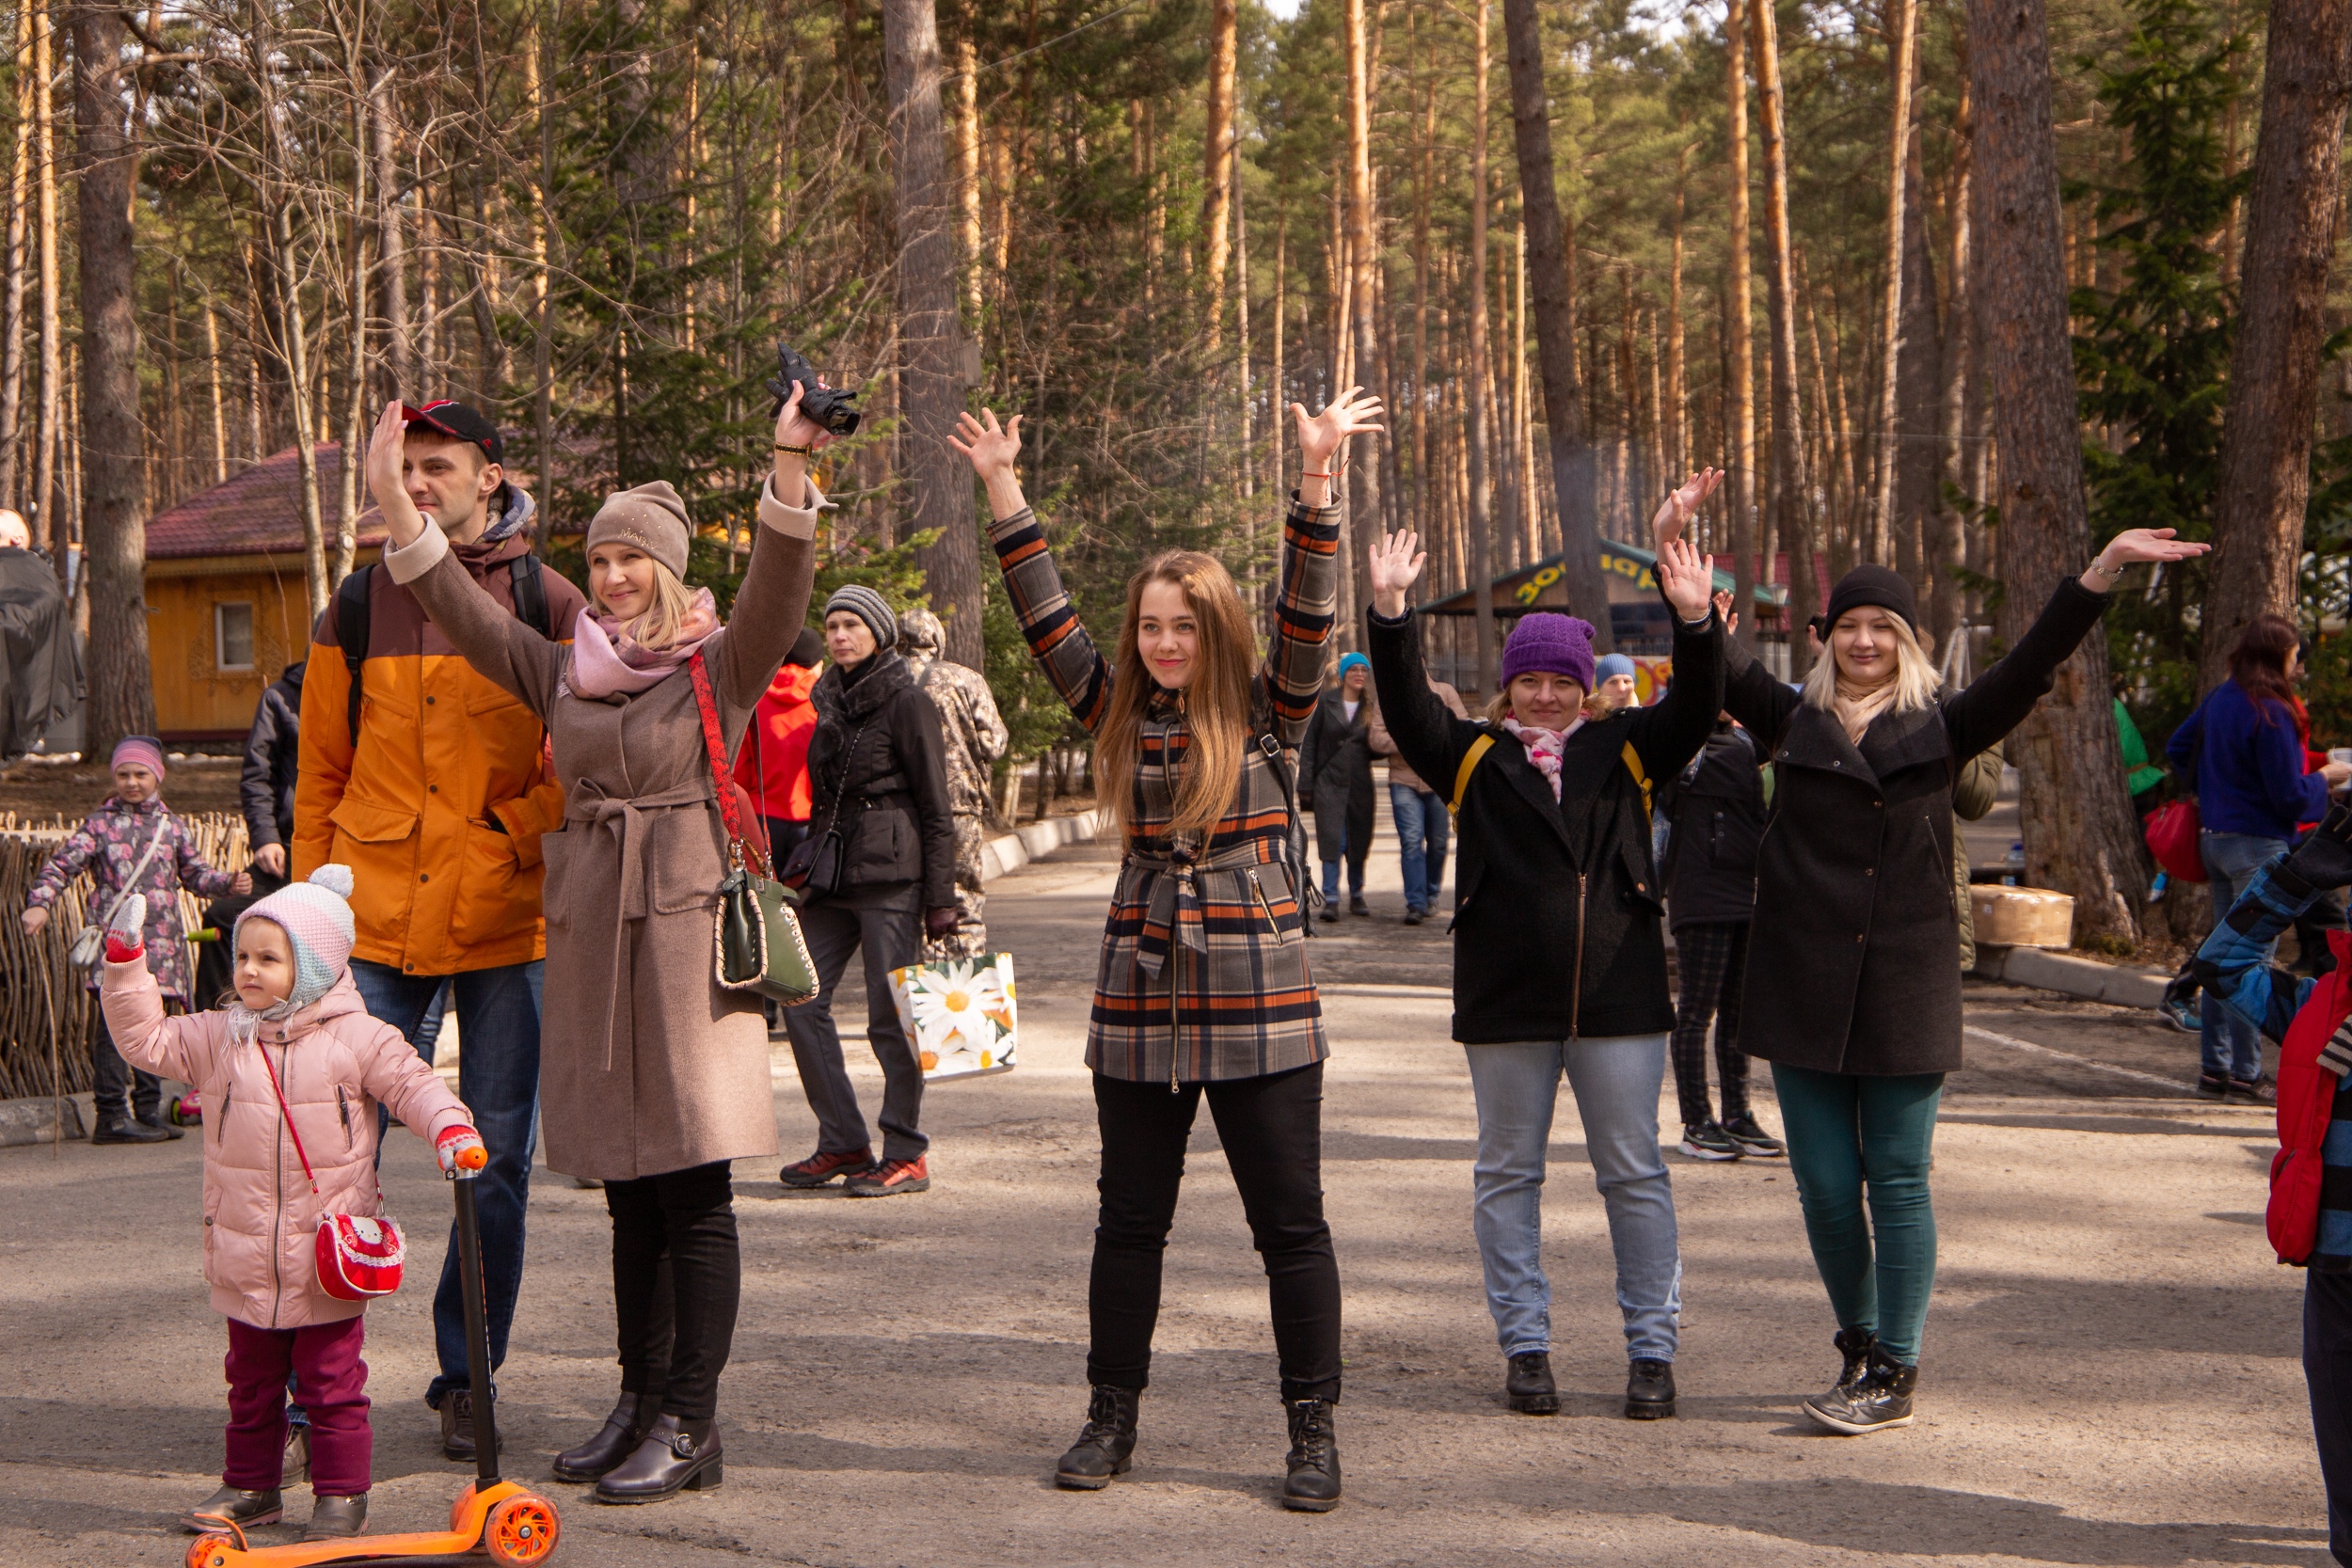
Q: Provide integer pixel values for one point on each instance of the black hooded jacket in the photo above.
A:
(877, 767)
(273, 754)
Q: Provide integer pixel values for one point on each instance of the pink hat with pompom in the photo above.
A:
(316, 918)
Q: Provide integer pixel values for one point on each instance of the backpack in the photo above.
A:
(2307, 1098)
(353, 607)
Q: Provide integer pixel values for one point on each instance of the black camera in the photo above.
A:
(830, 406)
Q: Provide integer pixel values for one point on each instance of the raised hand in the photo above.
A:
(1686, 576)
(1396, 560)
(2137, 543)
(1683, 503)
(796, 429)
(1319, 435)
(387, 479)
(1722, 607)
(989, 446)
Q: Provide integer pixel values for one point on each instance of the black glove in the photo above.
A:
(2324, 859)
(939, 925)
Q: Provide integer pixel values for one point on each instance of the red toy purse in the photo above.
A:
(359, 1256)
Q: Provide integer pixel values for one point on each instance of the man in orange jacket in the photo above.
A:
(431, 785)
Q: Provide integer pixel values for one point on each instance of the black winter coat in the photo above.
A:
(1854, 957)
(1718, 812)
(1335, 774)
(272, 752)
(879, 756)
(1557, 912)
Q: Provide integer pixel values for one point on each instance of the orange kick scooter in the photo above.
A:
(511, 1523)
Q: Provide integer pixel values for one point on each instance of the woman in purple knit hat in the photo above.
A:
(1559, 959)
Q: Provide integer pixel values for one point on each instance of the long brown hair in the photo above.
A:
(2259, 661)
(1215, 701)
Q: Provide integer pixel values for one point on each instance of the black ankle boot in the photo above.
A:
(1855, 1345)
(623, 1430)
(1879, 1398)
(676, 1456)
(1312, 1485)
(1649, 1390)
(1528, 1388)
(1105, 1445)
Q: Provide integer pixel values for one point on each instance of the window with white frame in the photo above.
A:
(233, 636)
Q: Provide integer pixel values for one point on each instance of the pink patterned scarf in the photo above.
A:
(608, 663)
(1544, 748)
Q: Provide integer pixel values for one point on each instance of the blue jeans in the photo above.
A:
(1616, 1083)
(1420, 829)
(498, 1078)
(2230, 1044)
(1355, 871)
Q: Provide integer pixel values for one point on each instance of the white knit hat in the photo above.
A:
(316, 917)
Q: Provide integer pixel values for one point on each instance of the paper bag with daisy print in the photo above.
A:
(960, 1014)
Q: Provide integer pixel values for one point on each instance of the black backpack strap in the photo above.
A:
(531, 593)
(1309, 893)
(352, 607)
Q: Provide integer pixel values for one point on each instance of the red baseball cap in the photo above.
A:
(455, 420)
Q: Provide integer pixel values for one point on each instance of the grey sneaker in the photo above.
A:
(1709, 1141)
(1748, 1133)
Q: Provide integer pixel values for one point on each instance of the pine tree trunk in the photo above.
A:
(1364, 516)
(934, 381)
(1902, 52)
(2079, 833)
(1918, 379)
(1216, 175)
(1739, 335)
(1480, 521)
(1946, 610)
(48, 517)
(1552, 285)
(391, 243)
(2275, 362)
(12, 301)
(1792, 491)
(211, 377)
(114, 535)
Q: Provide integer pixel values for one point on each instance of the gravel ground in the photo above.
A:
(2110, 1373)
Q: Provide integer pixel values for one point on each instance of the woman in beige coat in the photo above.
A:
(652, 1078)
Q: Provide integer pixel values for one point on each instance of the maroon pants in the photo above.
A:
(332, 1384)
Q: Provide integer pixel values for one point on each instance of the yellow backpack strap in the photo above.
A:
(1462, 775)
(1633, 766)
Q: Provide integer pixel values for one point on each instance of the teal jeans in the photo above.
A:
(1848, 1133)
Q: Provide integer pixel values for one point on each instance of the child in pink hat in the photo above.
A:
(292, 1072)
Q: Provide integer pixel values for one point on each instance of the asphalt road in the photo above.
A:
(2110, 1373)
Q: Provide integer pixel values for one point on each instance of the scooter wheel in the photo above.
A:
(521, 1529)
(187, 1111)
(209, 1551)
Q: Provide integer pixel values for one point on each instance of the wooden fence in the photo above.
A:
(47, 1019)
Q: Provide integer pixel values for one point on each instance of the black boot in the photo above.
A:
(456, 1414)
(1105, 1445)
(622, 1431)
(127, 1129)
(1879, 1398)
(1528, 1388)
(1649, 1391)
(1855, 1345)
(676, 1456)
(1312, 1485)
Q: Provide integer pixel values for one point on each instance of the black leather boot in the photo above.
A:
(1528, 1388)
(1105, 1445)
(622, 1431)
(1879, 1398)
(676, 1456)
(456, 1414)
(1312, 1485)
(127, 1129)
(1855, 1345)
(227, 1506)
(1649, 1391)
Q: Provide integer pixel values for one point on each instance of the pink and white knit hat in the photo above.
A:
(316, 918)
(144, 750)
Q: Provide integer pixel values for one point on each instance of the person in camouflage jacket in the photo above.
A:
(976, 736)
(110, 845)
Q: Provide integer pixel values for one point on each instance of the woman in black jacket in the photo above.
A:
(1335, 783)
(1853, 974)
(882, 858)
(1559, 962)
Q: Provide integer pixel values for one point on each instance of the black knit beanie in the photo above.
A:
(1875, 585)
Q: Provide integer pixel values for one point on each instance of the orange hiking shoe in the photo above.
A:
(892, 1177)
(820, 1168)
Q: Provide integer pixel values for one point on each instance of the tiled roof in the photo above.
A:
(258, 511)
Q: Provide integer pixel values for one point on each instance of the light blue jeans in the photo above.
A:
(1421, 836)
(1616, 1081)
(2230, 1044)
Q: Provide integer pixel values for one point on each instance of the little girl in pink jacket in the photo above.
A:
(296, 1053)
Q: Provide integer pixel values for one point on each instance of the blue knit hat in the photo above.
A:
(1554, 644)
(1353, 661)
(1613, 664)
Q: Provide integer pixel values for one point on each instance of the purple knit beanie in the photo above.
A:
(1557, 644)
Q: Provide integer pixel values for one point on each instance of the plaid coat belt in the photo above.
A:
(1171, 889)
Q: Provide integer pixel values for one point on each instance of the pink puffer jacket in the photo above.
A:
(335, 1064)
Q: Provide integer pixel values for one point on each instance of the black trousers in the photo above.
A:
(677, 1278)
(1272, 1129)
(119, 1089)
(1712, 961)
(886, 923)
(2328, 1372)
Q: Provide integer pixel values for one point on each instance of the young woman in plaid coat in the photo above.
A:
(1203, 988)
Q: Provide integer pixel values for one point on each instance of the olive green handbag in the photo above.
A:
(757, 941)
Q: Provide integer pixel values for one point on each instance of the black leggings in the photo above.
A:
(1272, 1129)
(677, 1276)
(1712, 961)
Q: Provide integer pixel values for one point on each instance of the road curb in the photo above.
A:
(1035, 841)
(2043, 970)
(33, 1122)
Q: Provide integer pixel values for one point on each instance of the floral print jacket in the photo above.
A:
(109, 843)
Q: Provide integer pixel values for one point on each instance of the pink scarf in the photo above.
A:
(1544, 748)
(606, 663)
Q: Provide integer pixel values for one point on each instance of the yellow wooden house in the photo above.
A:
(227, 606)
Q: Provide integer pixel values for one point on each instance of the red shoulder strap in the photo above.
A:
(288, 1115)
(722, 781)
